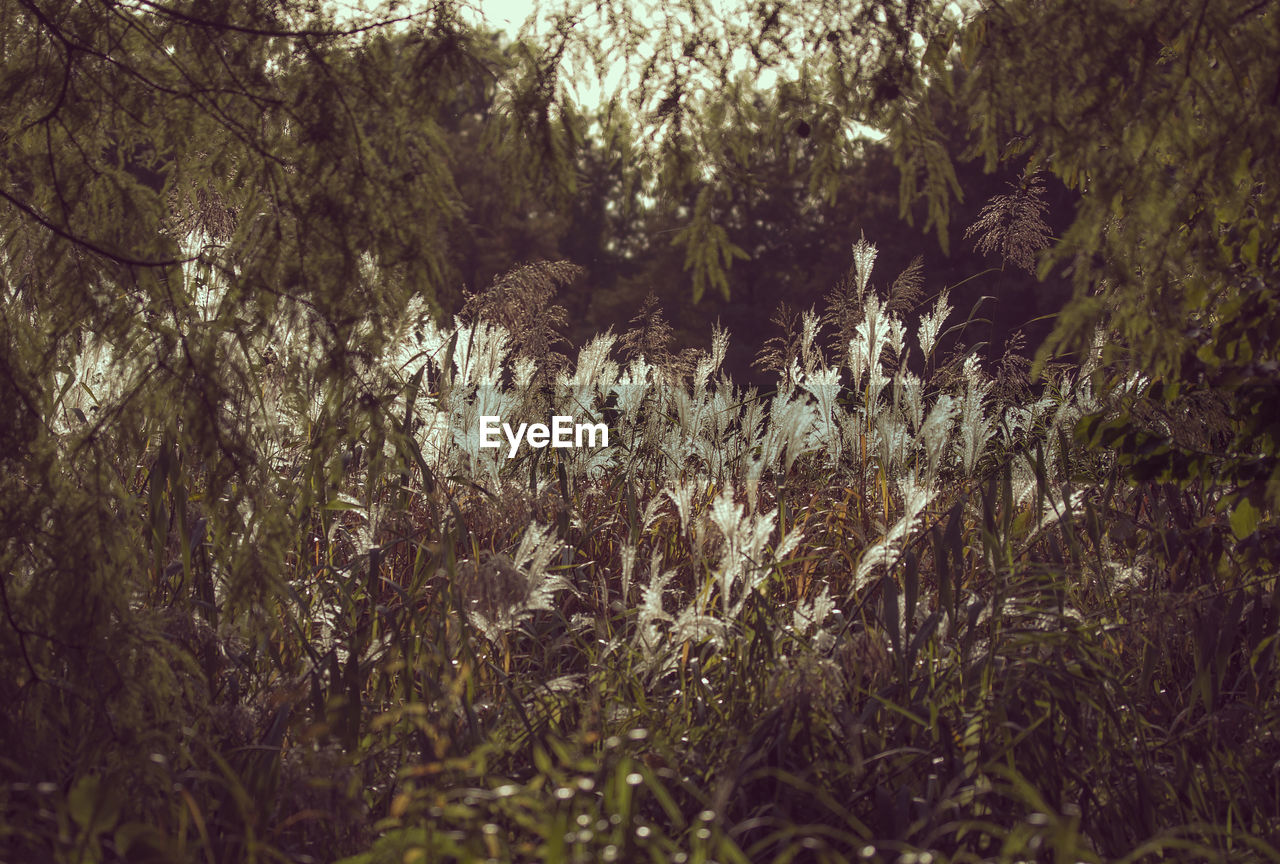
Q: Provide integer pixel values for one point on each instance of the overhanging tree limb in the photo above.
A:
(90, 245)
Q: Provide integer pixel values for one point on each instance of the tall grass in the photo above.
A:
(883, 612)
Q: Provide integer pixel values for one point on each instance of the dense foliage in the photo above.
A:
(264, 596)
(1163, 113)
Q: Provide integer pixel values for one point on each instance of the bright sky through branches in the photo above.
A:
(588, 87)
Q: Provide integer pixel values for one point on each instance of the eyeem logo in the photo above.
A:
(539, 436)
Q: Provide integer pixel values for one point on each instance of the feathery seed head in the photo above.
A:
(864, 256)
(931, 324)
(1013, 225)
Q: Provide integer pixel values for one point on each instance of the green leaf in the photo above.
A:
(344, 502)
(82, 800)
(1244, 519)
(139, 841)
(92, 806)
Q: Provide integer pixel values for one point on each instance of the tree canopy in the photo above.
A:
(1162, 114)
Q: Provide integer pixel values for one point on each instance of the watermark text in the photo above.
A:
(563, 432)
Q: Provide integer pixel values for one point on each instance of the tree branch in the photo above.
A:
(90, 245)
